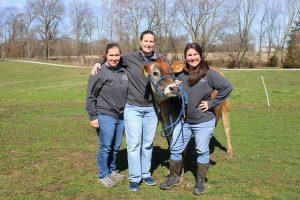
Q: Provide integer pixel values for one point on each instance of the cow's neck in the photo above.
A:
(164, 105)
(158, 100)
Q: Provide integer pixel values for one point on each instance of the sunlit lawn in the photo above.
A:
(48, 149)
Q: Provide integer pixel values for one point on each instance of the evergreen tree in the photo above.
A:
(293, 50)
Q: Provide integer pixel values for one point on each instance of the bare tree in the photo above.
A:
(89, 29)
(48, 14)
(289, 15)
(161, 20)
(104, 21)
(2, 33)
(80, 15)
(273, 11)
(211, 23)
(156, 14)
(202, 19)
(129, 15)
(105, 25)
(242, 16)
(12, 24)
(262, 31)
(28, 17)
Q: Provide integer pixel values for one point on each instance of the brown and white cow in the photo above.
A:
(165, 96)
(165, 93)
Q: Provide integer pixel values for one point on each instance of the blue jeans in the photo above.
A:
(140, 128)
(182, 135)
(111, 130)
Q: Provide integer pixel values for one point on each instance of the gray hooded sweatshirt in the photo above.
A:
(201, 91)
(139, 91)
(107, 91)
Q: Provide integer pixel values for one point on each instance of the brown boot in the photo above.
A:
(200, 181)
(174, 177)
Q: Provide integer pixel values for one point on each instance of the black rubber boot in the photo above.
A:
(200, 181)
(174, 177)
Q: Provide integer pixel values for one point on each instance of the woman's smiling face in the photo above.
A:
(113, 56)
(147, 44)
(193, 57)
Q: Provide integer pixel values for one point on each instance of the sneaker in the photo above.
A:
(107, 182)
(116, 176)
(149, 181)
(134, 186)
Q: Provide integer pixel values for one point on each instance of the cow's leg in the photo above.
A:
(183, 159)
(226, 126)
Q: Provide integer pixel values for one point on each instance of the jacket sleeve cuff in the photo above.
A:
(211, 104)
(93, 117)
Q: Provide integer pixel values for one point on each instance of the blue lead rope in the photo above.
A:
(156, 84)
(183, 97)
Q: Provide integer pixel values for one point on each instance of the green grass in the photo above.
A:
(48, 149)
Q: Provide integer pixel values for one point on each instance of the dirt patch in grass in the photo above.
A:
(79, 161)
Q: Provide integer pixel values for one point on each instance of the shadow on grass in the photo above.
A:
(122, 162)
(190, 160)
(160, 157)
(214, 143)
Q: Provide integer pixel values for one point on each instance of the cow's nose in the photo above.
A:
(173, 88)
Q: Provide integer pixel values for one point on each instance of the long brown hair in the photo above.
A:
(200, 71)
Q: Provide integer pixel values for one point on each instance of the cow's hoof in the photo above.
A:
(230, 153)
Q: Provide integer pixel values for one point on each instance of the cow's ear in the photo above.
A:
(178, 66)
(146, 70)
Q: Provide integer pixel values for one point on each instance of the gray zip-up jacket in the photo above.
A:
(201, 91)
(107, 91)
(139, 91)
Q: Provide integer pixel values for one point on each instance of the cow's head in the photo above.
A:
(162, 78)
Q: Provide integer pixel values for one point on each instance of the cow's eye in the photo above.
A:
(155, 74)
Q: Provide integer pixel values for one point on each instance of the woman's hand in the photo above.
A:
(95, 123)
(203, 106)
(177, 82)
(95, 68)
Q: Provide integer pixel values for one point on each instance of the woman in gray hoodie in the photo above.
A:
(198, 81)
(105, 102)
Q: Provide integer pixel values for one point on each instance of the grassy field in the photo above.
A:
(48, 149)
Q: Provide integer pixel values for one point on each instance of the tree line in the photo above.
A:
(248, 33)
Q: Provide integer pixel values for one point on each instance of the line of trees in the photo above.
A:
(48, 28)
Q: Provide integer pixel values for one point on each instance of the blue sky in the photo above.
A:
(21, 3)
(18, 3)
